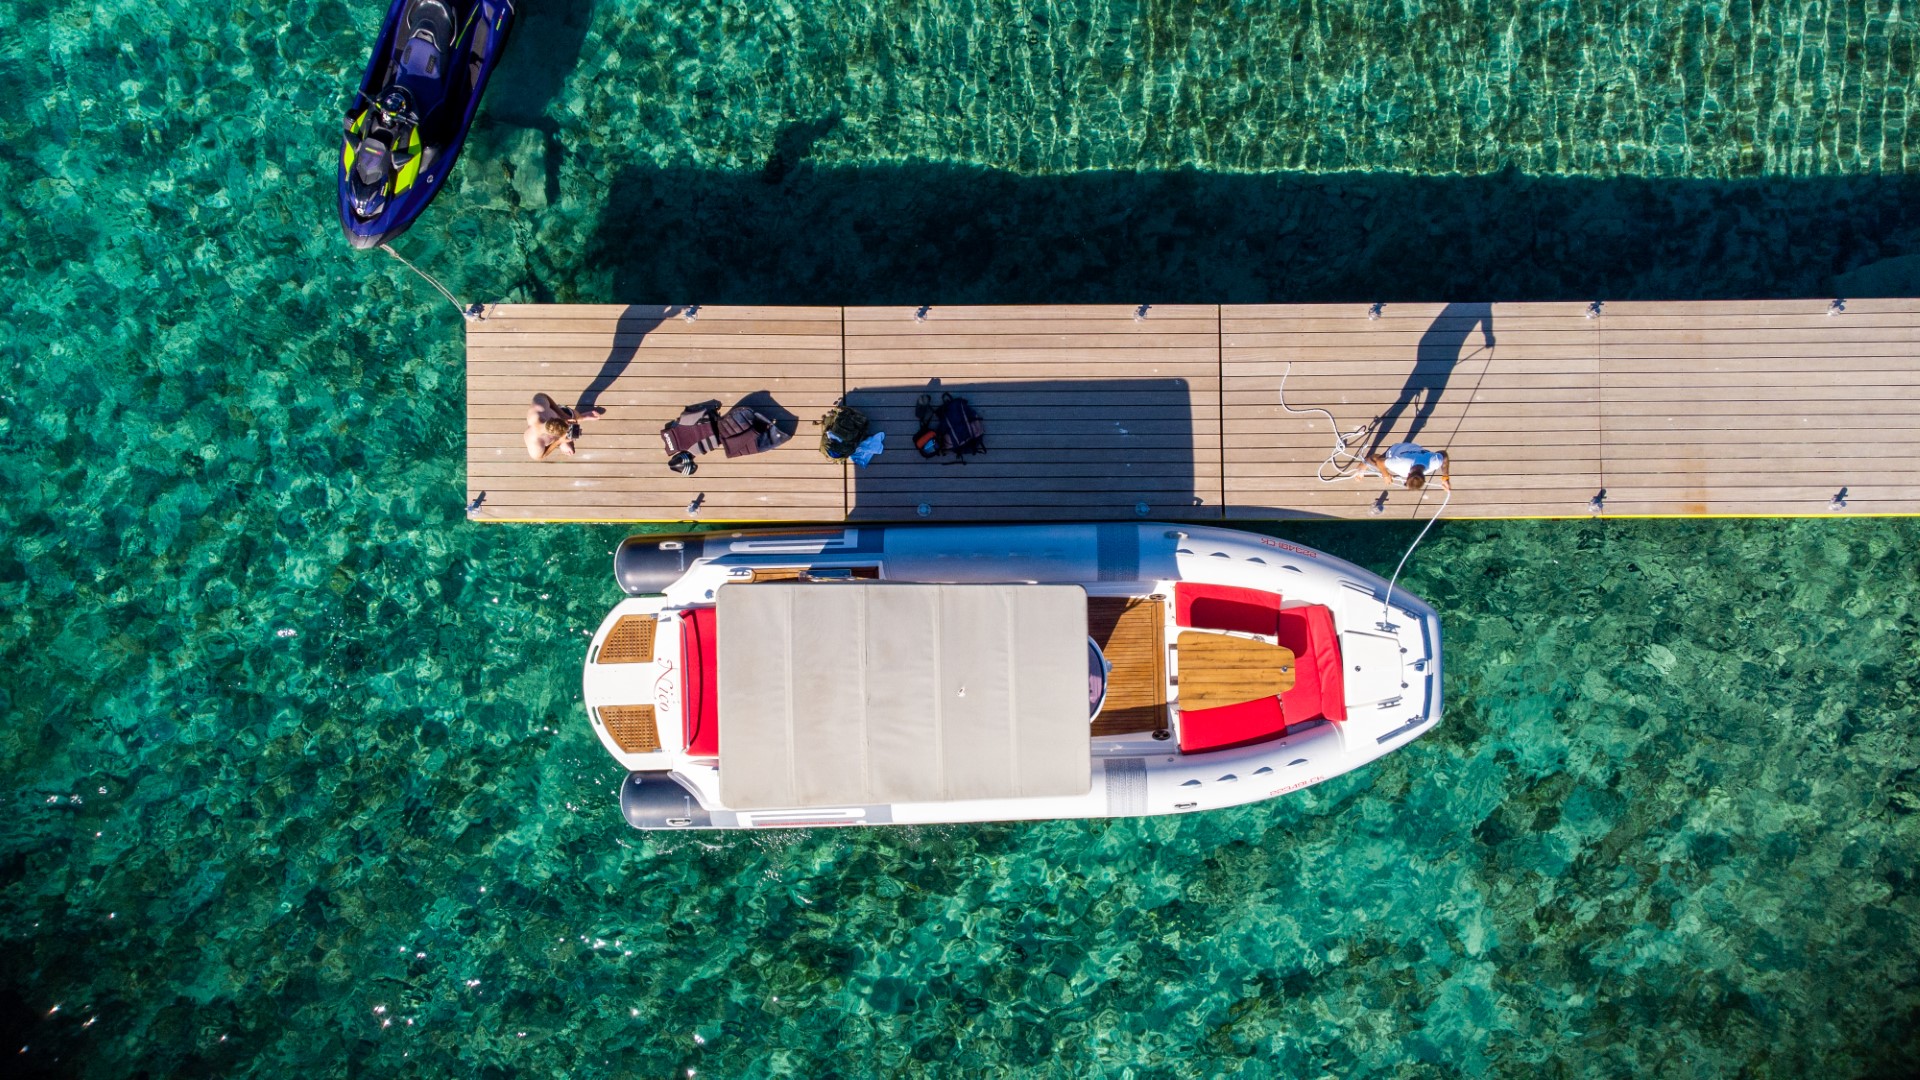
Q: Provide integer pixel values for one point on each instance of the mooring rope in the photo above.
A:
(468, 313)
(1387, 604)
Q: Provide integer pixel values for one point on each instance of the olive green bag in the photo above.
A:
(842, 430)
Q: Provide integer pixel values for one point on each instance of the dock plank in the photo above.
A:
(1447, 386)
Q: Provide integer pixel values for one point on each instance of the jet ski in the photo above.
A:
(410, 116)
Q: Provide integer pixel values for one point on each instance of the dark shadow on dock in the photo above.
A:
(942, 234)
(635, 324)
(762, 402)
(1056, 448)
(1435, 358)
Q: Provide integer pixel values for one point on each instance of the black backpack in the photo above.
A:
(951, 427)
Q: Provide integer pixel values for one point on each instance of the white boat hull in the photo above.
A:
(1389, 655)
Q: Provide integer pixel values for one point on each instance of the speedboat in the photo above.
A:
(920, 674)
(411, 114)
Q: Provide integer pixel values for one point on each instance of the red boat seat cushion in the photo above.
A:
(1230, 725)
(700, 682)
(1225, 607)
(1319, 686)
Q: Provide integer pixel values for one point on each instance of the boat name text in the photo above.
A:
(1294, 548)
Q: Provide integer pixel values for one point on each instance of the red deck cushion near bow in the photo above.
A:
(1319, 685)
(1319, 689)
(699, 687)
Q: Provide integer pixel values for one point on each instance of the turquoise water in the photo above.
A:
(296, 776)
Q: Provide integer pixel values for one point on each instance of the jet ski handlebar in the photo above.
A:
(403, 114)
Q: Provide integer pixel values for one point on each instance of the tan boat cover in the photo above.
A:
(859, 693)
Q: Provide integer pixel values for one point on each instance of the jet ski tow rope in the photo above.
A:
(1342, 449)
(469, 312)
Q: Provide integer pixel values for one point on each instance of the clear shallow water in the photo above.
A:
(292, 751)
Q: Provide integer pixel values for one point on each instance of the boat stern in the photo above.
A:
(630, 685)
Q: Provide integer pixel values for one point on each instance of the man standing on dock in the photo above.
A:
(1411, 465)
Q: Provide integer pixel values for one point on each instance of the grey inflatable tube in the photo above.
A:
(655, 800)
(646, 565)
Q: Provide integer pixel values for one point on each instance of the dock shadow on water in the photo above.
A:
(948, 234)
(547, 38)
(1056, 448)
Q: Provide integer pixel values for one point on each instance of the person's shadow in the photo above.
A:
(634, 325)
(1434, 360)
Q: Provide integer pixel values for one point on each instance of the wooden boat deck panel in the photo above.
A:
(1131, 633)
(629, 642)
(1220, 669)
(1112, 411)
(633, 727)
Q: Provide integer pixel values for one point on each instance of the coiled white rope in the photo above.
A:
(1341, 443)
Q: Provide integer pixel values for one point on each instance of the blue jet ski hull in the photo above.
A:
(481, 38)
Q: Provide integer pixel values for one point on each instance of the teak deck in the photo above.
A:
(1547, 409)
(1131, 632)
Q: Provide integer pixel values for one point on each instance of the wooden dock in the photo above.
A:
(1762, 408)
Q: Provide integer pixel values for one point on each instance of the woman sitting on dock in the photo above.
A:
(553, 427)
(1412, 465)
